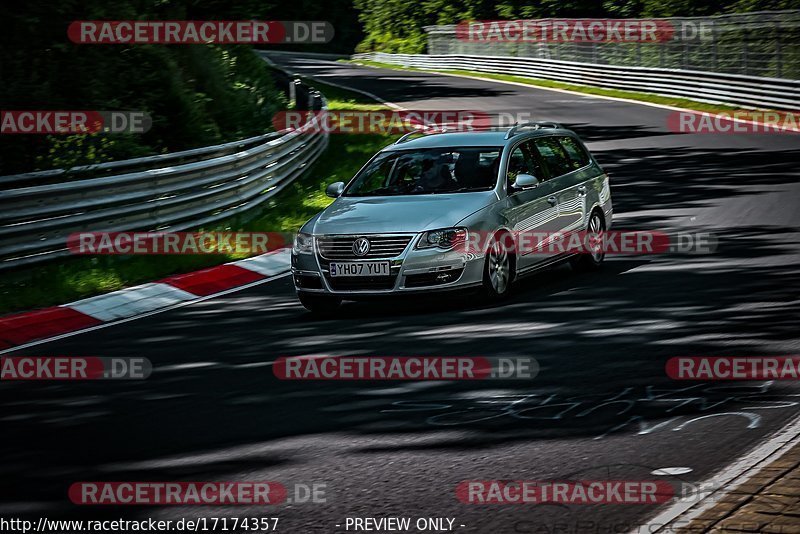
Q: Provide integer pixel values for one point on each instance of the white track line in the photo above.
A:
(365, 93)
(265, 57)
(532, 86)
(726, 480)
(587, 95)
(732, 475)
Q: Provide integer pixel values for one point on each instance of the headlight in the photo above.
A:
(445, 239)
(303, 244)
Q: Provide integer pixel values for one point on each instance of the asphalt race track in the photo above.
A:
(601, 407)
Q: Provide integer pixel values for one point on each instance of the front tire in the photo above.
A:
(591, 261)
(498, 269)
(319, 304)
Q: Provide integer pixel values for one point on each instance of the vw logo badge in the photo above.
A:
(361, 246)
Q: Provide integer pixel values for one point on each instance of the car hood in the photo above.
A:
(411, 213)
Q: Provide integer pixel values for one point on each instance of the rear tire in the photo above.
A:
(594, 232)
(498, 269)
(319, 304)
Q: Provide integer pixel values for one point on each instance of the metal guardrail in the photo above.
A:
(106, 168)
(710, 87)
(200, 187)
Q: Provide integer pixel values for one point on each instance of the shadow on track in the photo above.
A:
(601, 339)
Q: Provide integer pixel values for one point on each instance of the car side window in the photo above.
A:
(555, 157)
(535, 162)
(522, 161)
(577, 154)
(517, 164)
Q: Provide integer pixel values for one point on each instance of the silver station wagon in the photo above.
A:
(399, 226)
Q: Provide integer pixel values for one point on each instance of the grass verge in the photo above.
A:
(550, 84)
(70, 279)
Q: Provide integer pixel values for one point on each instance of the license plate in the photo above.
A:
(361, 268)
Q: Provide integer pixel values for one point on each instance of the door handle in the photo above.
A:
(582, 190)
(552, 200)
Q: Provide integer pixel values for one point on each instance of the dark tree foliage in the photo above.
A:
(196, 94)
(397, 25)
(202, 94)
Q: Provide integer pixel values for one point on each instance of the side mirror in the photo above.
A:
(335, 189)
(525, 181)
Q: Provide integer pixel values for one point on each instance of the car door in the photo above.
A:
(581, 178)
(532, 213)
(568, 186)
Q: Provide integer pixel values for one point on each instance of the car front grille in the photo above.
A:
(362, 283)
(381, 246)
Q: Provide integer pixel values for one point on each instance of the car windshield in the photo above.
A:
(428, 171)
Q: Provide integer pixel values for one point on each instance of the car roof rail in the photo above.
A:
(531, 124)
(433, 128)
(405, 136)
(427, 129)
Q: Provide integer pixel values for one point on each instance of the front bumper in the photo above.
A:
(412, 271)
